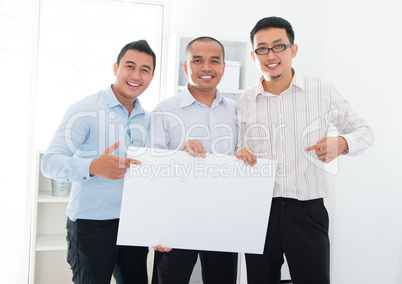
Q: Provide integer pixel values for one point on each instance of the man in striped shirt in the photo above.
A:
(286, 117)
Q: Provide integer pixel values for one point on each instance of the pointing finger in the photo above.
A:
(110, 149)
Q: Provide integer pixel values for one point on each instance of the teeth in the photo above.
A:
(273, 65)
(206, 77)
(134, 85)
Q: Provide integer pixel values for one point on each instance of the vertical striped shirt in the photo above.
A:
(280, 127)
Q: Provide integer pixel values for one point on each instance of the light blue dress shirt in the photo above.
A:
(182, 118)
(88, 127)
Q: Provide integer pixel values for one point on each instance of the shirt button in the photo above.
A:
(85, 178)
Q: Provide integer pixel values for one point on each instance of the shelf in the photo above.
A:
(51, 242)
(51, 267)
(46, 196)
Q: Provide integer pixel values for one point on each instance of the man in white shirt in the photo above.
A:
(286, 117)
(199, 121)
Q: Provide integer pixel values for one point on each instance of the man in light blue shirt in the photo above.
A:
(89, 148)
(200, 121)
(184, 123)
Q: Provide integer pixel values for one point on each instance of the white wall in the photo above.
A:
(357, 47)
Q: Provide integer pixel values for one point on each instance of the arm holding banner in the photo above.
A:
(247, 155)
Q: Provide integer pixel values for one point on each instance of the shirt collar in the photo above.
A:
(113, 101)
(138, 109)
(297, 81)
(111, 97)
(188, 99)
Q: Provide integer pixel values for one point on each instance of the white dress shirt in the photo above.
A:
(181, 118)
(280, 127)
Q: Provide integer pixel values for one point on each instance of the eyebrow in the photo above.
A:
(198, 57)
(132, 62)
(275, 41)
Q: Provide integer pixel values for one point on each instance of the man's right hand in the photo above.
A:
(109, 166)
(195, 149)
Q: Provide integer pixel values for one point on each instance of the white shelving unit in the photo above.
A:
(48, 246)
(235, 50)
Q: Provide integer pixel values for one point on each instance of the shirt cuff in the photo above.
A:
(83, 170)
(351, 144)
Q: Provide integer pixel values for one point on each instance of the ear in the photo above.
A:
(115, 68)
(294, 49)
(253, 55)
(223, 71)
(185, 67)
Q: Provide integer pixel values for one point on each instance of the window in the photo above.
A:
(15, 72)
(79, 41)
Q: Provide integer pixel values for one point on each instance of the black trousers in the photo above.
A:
(298, 229)
(93, 254)
(176, 267)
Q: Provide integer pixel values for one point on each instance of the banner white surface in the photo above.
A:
(178, 201)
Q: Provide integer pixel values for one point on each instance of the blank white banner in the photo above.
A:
(178, 201)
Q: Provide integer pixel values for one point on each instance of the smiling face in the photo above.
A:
(274, 66)
(204, 65)
(133, 76)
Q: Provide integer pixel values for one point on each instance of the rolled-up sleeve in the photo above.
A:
(59, 161)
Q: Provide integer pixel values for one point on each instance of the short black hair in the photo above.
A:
(140, 45)
(273, 22)
(205, 39)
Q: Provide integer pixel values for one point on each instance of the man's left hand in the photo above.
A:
(162, 249)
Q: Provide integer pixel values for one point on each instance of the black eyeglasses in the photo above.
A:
(277, 48)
